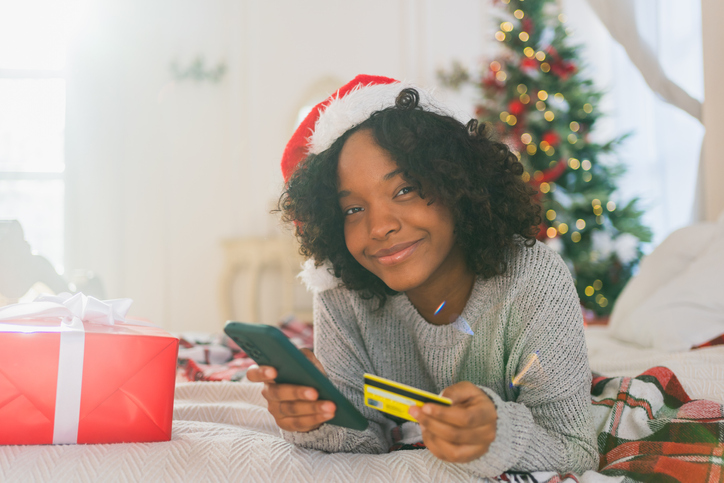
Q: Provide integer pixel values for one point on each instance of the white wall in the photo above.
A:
(159, 172)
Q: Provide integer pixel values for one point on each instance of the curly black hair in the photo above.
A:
(478, 178)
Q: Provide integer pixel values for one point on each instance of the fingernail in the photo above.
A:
(328, 407)
(414, 411)
(426, 409)
(268, 373)
(309, 394)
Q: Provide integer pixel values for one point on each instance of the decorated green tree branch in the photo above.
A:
(535, 95)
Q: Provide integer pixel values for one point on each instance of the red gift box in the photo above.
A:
(125, 394)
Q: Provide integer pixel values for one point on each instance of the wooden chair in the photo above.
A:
(252, 257)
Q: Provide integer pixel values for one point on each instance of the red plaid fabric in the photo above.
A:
(715, 341)
(651, 430)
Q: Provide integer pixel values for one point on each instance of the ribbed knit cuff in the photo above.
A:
(511, 438)
(327, 437)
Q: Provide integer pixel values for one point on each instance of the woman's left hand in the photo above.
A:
(462, 432)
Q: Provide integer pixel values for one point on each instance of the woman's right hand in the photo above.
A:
(295, 408)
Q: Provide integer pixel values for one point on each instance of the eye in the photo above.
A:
(352, 211)
(405, 190)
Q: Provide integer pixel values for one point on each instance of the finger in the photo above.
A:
(310, 355)
(450, 452)
(289, 392)
(304, 423)
(261, 374)
(460, 436)
(301, 408)
(462, 391)
(458, 416)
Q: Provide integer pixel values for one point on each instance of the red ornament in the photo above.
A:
(562, 68)
(528, 66)
(552, 174)
(516, 107)
(552, 138)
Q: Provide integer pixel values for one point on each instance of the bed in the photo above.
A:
(222, 432)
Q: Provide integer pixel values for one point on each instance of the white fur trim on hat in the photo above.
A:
(318, 279)
(342, 114)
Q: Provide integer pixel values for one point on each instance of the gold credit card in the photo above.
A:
(394, 398)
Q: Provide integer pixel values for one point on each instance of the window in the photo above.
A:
(662, 152)
(33, 40)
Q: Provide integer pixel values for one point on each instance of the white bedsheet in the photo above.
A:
(222, 432)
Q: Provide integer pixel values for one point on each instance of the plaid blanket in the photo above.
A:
(649, 429)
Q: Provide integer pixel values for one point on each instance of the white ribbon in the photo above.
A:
(73, 311)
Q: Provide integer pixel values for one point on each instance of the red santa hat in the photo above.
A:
(351, 105)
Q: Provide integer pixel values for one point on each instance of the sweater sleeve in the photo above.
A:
(340, 348)
(544, 415)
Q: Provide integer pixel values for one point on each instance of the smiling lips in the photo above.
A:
(397, 253)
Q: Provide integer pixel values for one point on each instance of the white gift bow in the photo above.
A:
(74, 310)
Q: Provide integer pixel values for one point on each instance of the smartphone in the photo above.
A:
(268, 346)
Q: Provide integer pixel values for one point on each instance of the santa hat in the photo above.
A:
(350, 106)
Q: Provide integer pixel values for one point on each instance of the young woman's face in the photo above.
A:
(388, 228)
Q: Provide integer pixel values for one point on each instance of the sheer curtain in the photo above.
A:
(662, 152)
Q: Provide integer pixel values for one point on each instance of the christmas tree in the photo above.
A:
(535, 95)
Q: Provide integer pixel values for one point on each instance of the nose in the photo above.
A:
(382, 222)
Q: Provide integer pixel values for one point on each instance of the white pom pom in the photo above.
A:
(602, 244)
(626, 246)
(318, 279)
(555, 243)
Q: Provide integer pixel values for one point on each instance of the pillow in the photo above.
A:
(687, 307)
(665, 263)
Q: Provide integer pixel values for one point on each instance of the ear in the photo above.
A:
(318, 279)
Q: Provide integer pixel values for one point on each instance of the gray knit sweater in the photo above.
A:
(544, 421)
